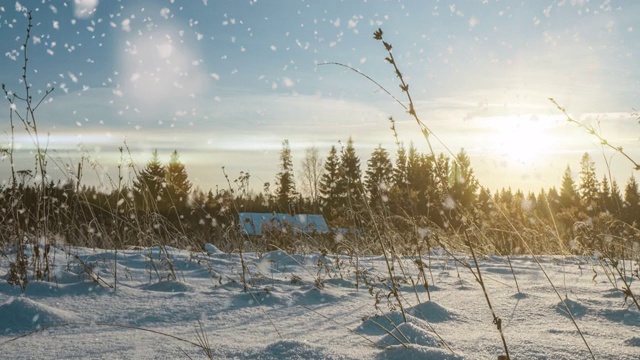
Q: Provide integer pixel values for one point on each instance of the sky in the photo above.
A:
(225, 82)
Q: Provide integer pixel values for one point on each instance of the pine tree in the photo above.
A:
(553, 200)
(400, 171)
(285, 190)
(530, 203)
(378, 177)
(484, 205)
(178, 184)
(506, 200)
(631, 209)
(616, 199)
(424, 196)
(330, 190)
(589, 185)
(399, 194)
(568, 193)
(351, 175)
(149, 184)
(604, 196)
(463, 184)
(441, 174)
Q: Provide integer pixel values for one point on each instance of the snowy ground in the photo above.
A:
(288, 314)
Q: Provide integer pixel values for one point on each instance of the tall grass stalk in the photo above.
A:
(555, 289)
(593, 131)
(40, 261)
(478, 275)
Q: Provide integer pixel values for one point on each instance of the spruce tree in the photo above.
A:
(330, 191)
(604, 196)
(423, 195)
(589, 185)
(351, 175)
(399, 194)
(568, 193)
(286, 189)
(484, 206)
(149, 183)
(616, 199)
(463, 184)
(378, 177)
(178, 184)
(631, 209)
(553, 200)
(400, 171)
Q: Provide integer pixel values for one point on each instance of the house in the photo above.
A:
(256, 224)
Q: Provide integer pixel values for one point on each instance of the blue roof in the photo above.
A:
(257, 223)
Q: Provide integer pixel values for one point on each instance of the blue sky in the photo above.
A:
(225, 82)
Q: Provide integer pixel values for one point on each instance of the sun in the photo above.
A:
(522, 139)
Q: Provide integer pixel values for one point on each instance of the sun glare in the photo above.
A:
(520, 139)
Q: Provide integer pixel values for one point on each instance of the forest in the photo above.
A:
(416, 191)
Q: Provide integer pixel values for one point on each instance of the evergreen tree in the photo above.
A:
(616, 199)
(530, 203)
(420, 179)
(351, 175)
(178, 184)
(568, 193)
(378, 177)
(604, 196)
(399, 194)
(285, 191)
(517, 206)
(330, 187)
(589, 185)
(441, 175)
(463, 184)
(553, 200)
(149, 184)
(400, 171)
(631, 209)
(484, 205)
(542, 207)
(506, 200)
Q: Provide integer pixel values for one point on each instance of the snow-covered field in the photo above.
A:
(308, 307)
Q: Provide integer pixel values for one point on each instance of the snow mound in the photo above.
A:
(340, 283)
(313, 296)
(380, 324)
(168, 286)
(498, 270)
(520, 296)
(256, 298)
(613, 294)
(577, 309)
(623, 316)
(416, 352)
(432, 312)
(78, 289)
(281, 258)
(212, 249)
(21, 314)
(408, 333)
(295, 350)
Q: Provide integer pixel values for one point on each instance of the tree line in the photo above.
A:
(413, 191)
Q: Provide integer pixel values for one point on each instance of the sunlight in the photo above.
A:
(521, 139)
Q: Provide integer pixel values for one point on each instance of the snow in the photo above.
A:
(310, 306)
